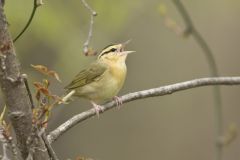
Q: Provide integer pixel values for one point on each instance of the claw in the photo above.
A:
(97, 108)
(118, 101)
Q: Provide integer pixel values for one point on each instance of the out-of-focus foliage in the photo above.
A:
(179, 126)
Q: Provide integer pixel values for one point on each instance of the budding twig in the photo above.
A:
(90, 32)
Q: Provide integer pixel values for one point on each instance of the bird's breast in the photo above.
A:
(112, 82)
(118, 73)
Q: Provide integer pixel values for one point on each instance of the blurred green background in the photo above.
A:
(175, 127)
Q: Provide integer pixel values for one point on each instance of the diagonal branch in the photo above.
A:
(51, 152)
(154, 92)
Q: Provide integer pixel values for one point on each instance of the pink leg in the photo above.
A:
(97, 108)
(118, 101)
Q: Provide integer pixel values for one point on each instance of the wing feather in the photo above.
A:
(88, 75)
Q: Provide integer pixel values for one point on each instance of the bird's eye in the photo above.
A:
(113, 49)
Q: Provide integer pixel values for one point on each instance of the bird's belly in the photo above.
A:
(101, 90)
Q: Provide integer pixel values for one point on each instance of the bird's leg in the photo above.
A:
(97, 108)
(118, 101)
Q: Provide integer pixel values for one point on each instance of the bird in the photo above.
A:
(102, 79)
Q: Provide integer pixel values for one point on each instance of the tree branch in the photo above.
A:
(154, 92)
(51, 152)
(14, 92)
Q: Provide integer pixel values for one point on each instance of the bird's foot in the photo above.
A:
(118, 101)
(97, 108)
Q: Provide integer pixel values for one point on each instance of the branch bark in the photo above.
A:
(154, 92)
(14, 92)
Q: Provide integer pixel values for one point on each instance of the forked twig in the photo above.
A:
(51, 152)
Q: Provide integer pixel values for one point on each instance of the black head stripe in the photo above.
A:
(108, 51)
(108, 46)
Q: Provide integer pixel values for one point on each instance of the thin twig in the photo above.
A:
(93, 14)
(51, 152)
(191, 30)
(24, 76)
(164, 90)
(36, 4)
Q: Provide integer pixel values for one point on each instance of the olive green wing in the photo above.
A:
(86, 76)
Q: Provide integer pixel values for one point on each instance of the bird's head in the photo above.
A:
(114, 53)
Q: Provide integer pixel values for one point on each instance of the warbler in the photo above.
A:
(102, 80)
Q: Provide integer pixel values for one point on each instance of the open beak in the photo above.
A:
(122, 52)
(125, 43)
